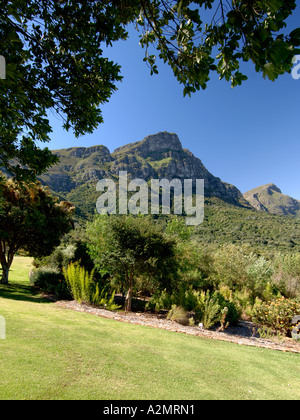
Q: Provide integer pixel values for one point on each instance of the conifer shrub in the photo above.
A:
(84, 289)
(80, 283)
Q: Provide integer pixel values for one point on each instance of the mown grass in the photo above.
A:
(52, 353)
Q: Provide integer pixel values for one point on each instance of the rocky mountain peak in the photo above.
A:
(272, 187)
(159, 142)
(157, 156)
(269, 198)
(162, 141)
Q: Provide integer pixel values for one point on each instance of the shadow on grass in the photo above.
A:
(17, 291)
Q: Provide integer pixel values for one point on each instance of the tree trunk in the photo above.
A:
(129, 293)
(6, 263)
(128, 300)
(5, 272)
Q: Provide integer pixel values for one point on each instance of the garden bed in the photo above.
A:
(245, 333)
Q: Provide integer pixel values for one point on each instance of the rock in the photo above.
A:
(160, 142)
(157, 156)
(269, 198)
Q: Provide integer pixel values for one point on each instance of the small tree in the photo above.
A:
(30, 219)
(132, 247)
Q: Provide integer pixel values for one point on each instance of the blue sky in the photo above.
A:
(247, 136)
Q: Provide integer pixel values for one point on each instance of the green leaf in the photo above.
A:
(270, 71)
(295, 34)
(179, 7)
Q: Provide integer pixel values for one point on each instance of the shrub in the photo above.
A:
(190, 299)
(233, 313)
(277, 314)
(80, 283)
(102, 299)
(208, 310)
(286, 277)
(178, 314)
(159, 301)
(259, 274)
(230, 266)
(59, 258)
(84, 289)
(64, 254)
(50, 280)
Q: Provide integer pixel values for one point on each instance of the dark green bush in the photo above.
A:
(160, 301)
(65, 254)
(50, 280)
(233, 315)
(206, 307)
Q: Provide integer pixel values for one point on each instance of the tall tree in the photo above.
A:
(31, 220)
(54, 55)
(131, 247)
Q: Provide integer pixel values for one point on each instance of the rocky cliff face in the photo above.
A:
(157, 156)
(162, 156)
(269, 198)
(160, 142)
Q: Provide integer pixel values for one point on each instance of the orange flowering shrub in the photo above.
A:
(276, 314)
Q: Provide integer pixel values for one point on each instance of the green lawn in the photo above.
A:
(51, 353)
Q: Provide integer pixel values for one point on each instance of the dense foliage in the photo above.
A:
(276, 314)
(266, 233)
(54, 55)
(186, 35)
(128, 248)
(84, 289)
(165, 263)
(30, 219)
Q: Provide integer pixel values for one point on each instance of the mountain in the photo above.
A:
(158, 156)
(228, 216)
(269, 198)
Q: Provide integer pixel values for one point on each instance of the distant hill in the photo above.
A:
(266, 233)
(269, 198)
(157, 156)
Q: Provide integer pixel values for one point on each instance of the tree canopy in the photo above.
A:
(30, 219)
(127, 248)
(54, 56)
(54, 62)
(199, 37)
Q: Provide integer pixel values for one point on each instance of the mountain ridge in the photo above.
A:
(228, 217)
(158, 155)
